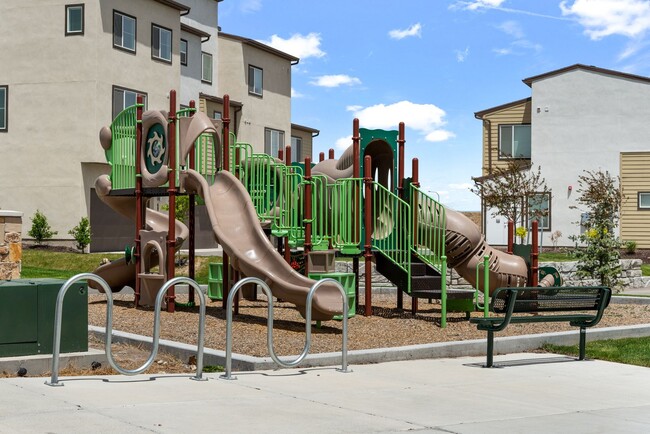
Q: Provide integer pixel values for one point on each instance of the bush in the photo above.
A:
(81, 234)
(630, 247)
(41, 230)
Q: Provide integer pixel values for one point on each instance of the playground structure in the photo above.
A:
(327, 207)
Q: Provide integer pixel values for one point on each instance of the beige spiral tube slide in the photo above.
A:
(238, 230)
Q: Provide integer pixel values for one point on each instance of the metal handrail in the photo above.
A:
(54, 380)
(486, 286)
(269, 322)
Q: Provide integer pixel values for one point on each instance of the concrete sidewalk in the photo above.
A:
(533, 393)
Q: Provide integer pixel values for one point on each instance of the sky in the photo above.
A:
(432, 64)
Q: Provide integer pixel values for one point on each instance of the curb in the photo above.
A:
(476, 347)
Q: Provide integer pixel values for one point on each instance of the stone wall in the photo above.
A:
(11, 250)
(631, 275)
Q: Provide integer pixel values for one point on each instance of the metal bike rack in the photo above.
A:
(269, 322)
(54, 381)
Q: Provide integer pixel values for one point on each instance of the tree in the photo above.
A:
(41, 230)
(598, 257)
(182, 208)
(81, 233)
(513, 191)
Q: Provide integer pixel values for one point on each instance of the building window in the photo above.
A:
(183, 52)
(254, 80)
(644, 197)
(514, 141)
(539, 208)
(124, 30)
(273, 141)
(216, 115)
(123, 98)
(296, 148)
(161, 43)
(206, 67)
(74, 20)
(4, 102)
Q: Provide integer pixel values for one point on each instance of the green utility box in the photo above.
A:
(347, 281)
(27, 308)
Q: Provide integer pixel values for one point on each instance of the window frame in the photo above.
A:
(268, 146)
(501, 154)
(135, 32)
(548, 216)
(126, 89)
(638, 200)
(5, 127)
(215, 113)
(251, 83)
(154, 56)
(181, 52)
(67, 20)
(205, 54)
(296, 151)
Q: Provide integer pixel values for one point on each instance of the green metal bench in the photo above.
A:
(579, 306)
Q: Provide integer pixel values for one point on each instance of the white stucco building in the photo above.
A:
(578, 118)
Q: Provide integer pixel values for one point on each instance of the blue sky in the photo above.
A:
(432, 64)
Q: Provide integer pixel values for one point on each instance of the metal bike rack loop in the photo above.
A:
(269, 322)
(54, 381)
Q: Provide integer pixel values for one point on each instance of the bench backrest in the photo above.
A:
(551, 299)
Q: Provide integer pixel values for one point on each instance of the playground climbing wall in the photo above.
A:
(11, 223)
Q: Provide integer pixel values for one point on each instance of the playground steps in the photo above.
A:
(425, 280)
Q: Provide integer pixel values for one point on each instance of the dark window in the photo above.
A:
(124, 31)
(539, 208)
(273, 141)
(161, 43)
(296, 148)
(255, 80)
(216, 115)
(74, 19)
(644, 197)
(4, 102)
(183, 52)
(206, 67)
(123, 98)
(514, 141)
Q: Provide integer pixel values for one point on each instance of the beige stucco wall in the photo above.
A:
(60, 95)
(273, 109)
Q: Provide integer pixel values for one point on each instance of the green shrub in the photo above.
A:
(41, 230)
(81, 234)
(630, 247)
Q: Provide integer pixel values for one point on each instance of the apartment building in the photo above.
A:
(577, 118)
(89, 60)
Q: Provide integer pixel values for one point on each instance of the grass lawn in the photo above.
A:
(645, 269)
(555, 257)
(40, 263)
(631, 351)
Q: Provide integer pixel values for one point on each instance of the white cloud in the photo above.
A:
(520, 45)
(462, 186)
(343, 143)
(250, 6)
(480, 4)
(335, 80)
(414, 30)
(298, 45)
(427, 119)
(354, 108)
(602, 18)
(512, 28)
(295, 93)
(461, 56)
(503, 51)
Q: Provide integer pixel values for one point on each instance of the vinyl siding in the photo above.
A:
(635, 178)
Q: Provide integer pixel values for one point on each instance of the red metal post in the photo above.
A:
(368, 243)
(415, 173)
(287, 249)
(511, 236)
(321, 157)
(281, 154)
(331, 154)
(171, 190)
(307, 202)
(139, 213)
(534, 261)
(192, 217)
(226, 166)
